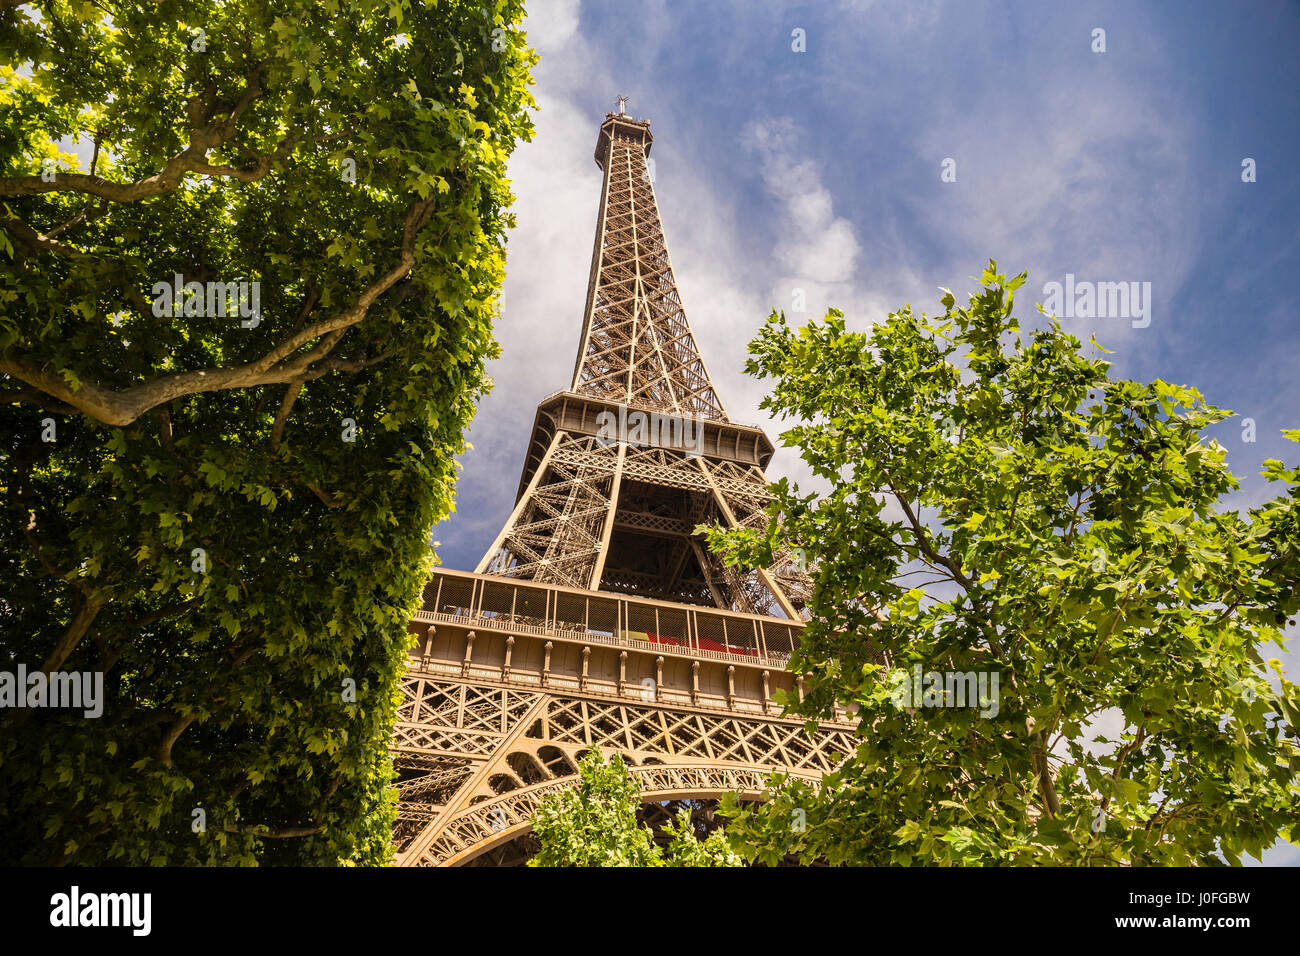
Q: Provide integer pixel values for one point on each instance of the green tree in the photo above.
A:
(998, 505)
(222, 501)
(594, 824)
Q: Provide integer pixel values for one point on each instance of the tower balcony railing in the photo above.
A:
(555, 611)
(642, 403)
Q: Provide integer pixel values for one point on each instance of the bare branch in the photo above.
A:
(1046, 786)
(165, 431)
(91, 210)
(163, 612)
(76, 631)
(205, 135)
(923, 541)
(32, 239)
(1123, 755)
(326, 498)
(279, 366)
(282, 416)
(164, 751)
(36, 397)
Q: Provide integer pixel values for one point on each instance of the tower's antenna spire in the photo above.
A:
(622, 105)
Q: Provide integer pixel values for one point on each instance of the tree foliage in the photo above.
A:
(997, 504)
(227, 515)
(595, 824)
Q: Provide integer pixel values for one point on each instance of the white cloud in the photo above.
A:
(551, 24)
(816, 245)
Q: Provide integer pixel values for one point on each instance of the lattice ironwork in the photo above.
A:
(611, 590)
(676, 753)
(637, 345)
(597, 510)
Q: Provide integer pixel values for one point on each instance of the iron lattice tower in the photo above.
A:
(598, 618)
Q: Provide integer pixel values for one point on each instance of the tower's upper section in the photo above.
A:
(624, 128)
(625, 464)
(637, 346)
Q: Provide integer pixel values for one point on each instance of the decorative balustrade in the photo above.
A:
(547, 610)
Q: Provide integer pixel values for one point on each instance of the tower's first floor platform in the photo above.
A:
(511, 682)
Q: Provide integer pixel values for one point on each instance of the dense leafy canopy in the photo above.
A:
(595, 824)
(999, 505)
(228, 514)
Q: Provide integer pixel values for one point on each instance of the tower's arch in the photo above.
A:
(488, 824)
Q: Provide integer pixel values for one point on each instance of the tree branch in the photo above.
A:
(1123, 755)
(99, 208)
(1046, 785)
(282, 416)
(90, 609)
(205, 135)
(275, 367)
(923, 539)
(276, 833)
(328, 500)
(32, 239)
(165, 431)
(161, 613)
(164, 751)
(38, 398)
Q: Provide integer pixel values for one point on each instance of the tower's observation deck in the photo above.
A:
(625, 128)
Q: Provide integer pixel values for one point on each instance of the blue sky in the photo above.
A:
(778, 170)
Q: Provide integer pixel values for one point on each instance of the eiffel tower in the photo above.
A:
(598, 619)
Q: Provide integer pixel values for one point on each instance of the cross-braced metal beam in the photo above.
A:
(597, 618)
